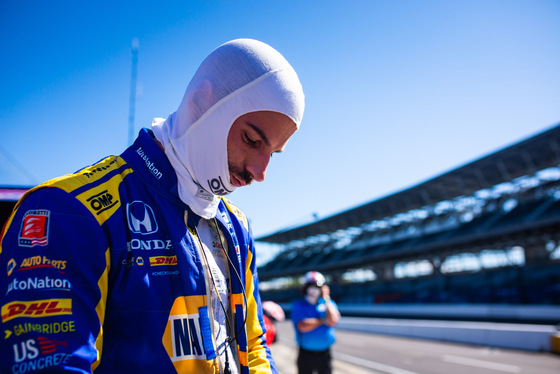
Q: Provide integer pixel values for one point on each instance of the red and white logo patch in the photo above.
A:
(49, 346)
(35, 228)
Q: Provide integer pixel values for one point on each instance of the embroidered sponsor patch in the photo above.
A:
(41, 353)
(163, 260)
(36, 308)
(49, 345)
(187, 336)
(11, 266)
(141, 218)
(35, 228)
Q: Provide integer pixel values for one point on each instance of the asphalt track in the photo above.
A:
(360, 353)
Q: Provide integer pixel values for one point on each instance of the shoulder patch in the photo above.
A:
(102, 199)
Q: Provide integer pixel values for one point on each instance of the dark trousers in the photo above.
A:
(309, 362)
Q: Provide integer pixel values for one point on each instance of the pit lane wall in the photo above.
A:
(512, 313)
(464, 324)
(540, 338)
(533, 336)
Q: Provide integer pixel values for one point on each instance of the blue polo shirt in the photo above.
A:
(322, 337)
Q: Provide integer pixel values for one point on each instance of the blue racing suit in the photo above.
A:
(102, 273)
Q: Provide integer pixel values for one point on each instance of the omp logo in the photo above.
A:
(101, 202)
(163, 260)
(217, 186)
(36, 308)
(141, 218)
(35, 228)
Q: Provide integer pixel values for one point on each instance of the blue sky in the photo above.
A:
(397, 92)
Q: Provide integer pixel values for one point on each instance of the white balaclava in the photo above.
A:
(238, 77)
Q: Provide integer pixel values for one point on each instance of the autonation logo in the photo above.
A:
(36, 283)
(151, 167)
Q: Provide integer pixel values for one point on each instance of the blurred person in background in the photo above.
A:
(272, 313)
(314, 316)
(138, 264)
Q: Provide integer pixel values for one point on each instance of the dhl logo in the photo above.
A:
(36, 308)
(163, 260)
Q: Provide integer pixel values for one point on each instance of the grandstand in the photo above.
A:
(9, 195)
(487, 232)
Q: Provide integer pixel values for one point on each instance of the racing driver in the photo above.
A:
(137, 263)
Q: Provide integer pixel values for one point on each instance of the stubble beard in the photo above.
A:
(241, 174)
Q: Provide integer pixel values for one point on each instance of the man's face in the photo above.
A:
(252, 140)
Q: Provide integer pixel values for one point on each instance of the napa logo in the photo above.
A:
(182, 338)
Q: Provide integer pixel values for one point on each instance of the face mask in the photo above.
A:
(312, 294)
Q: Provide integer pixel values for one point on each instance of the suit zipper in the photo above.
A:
(197, 242)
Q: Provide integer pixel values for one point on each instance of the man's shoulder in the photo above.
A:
(238, 213)
(96, 187)
(99, 172)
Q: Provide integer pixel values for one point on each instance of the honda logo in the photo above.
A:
(141, 218)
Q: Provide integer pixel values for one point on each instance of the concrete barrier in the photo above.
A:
(504, 335)
(547, 314)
